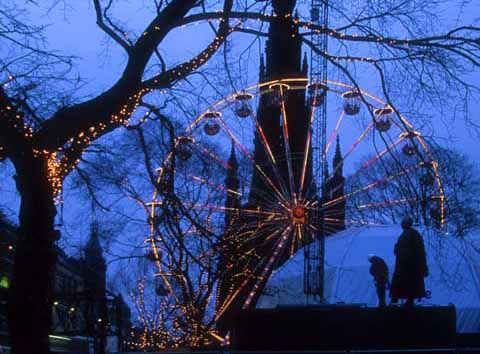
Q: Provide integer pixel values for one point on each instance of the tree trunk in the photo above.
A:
(30, 303)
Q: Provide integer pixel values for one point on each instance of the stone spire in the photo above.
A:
(283, 47)
(232, 169)
(261, 76)
(94, 274)
(93, 249)
(305, 65)
(337, 190)
(232, 185)
(338, 159)
(95, 266)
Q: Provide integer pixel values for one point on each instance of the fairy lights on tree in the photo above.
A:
(45, 151)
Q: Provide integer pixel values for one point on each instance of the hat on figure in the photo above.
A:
(407, 222)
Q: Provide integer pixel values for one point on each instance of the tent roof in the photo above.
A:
(454, 271)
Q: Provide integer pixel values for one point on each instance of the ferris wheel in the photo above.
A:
(230, 173)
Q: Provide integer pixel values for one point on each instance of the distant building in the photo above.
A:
(7, 239)
(119, 315)
(335, 189)
(85, 314)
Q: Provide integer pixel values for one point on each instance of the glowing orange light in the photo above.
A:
(298, 214)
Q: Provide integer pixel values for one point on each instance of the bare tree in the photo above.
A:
(413, 193)
(175, 278)
(45, 145)
(44, 151)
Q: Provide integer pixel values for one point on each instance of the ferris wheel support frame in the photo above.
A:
(314, 252)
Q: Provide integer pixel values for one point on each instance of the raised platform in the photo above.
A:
(339, 327)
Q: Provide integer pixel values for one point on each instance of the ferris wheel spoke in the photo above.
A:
(329, 220)
(367, 223)
(313, 229)
(232, 297)
(382, 153)
(270, 235)
(207, 152)
(277, 251)
(239, 210)
(377, 157)
(219, 187)
(354, 146)
(226, 304)
(327, 228)
(370, 186)
(334, 132)
(385, 203)
(268, 199)
(330, 226)
(267, 232)
(286, 141)
(439, 184)
(271, 159)
(436, 173)
(300, 234)
(306, 152)
(256, 229)
(292, 243)
(244, 150)
(352, 222)
(296, 240)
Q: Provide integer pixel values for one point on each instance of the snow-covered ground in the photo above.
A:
(454, 272)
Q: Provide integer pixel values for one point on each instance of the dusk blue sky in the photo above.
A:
(72, 31)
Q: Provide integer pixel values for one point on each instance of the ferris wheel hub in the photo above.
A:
(298, 214)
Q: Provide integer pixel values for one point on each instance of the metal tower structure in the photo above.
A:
(314, 252)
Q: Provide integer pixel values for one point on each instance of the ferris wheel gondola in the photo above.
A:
(211, 126)
(242, 104)
(382, 119)
(316, 93)
(183, 147)
(352, 102)
(278, 93)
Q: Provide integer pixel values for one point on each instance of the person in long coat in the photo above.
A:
(410, 265)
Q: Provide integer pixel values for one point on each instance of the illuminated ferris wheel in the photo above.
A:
(248, 185)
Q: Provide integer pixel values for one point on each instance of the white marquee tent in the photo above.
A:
(454, 267)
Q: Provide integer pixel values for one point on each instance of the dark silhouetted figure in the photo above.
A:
(379, 271)
(410, 265)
